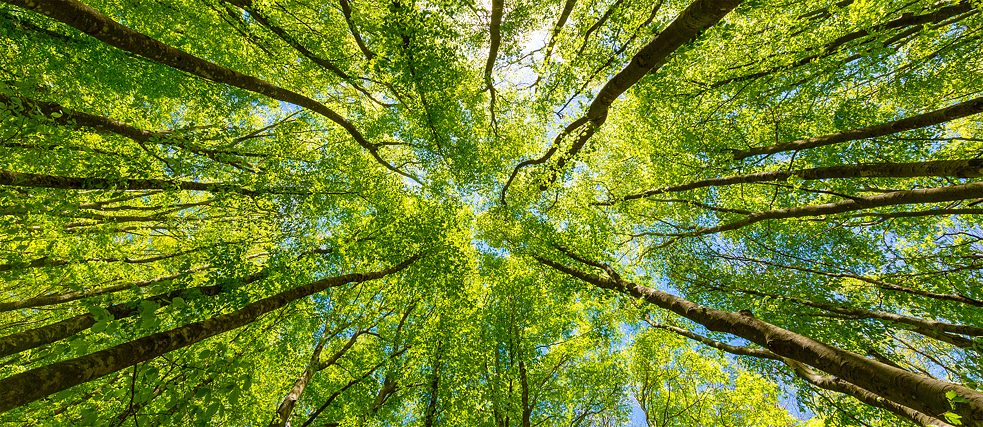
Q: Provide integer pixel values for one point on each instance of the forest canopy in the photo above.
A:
(494, 213)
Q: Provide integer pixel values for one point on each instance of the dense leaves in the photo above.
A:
(582, 213)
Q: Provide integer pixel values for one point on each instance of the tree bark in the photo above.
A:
(931, 328)
(962, 168)
(698, 16)
(346, 10)
(932, 118)
(524, 394)
(286, 407)
(430, 415)
(825, 382)
(495, 38)
(39, 382)
(838, 385)
(927, 195)
(94, 23)
(919, 392)
(48, 334)
(558, 28)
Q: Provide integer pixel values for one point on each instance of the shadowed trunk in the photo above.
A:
(918, 392)
(48, 334)
(698, 16)
(912, 197)
(821, 381)
(94, 23)
(932, 118)
(963, 168)
(37, 383)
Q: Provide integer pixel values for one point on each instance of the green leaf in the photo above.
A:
(148, 314)
(89, 415)
(953, 418)
(100, 326)
(100, 314)
(955, 399)
(212, 409)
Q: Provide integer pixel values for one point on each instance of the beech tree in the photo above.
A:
(500, 213)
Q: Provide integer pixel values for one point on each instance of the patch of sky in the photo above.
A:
(520, 74)
(484, 247)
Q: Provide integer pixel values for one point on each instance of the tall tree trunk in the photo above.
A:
(697, 17)
(286, 407)
(845, 387)
(289, 403)
(48, 334)
(37, 383)
(524, 394)
(94, 23)
(941, 331)
(558, 28)
(825, 382)
(932, 118)
(495, 39)
(919, 392)
(390, 383)
(430, 415)
(909, 197)
(963, 168)
(327, 403)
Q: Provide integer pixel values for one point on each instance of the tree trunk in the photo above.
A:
(921, 393)
(48, 334)
(37, 383)
(965, 168)
(32, 180)
(825, 382)
(94, 23)
(697, 17)
(910, 197)
(932, 118)
(286, 407)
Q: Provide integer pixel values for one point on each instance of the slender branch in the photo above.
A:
(346, 10)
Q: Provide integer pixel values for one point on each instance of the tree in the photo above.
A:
(705, 212)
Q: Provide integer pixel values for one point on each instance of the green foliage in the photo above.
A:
(142, 198)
